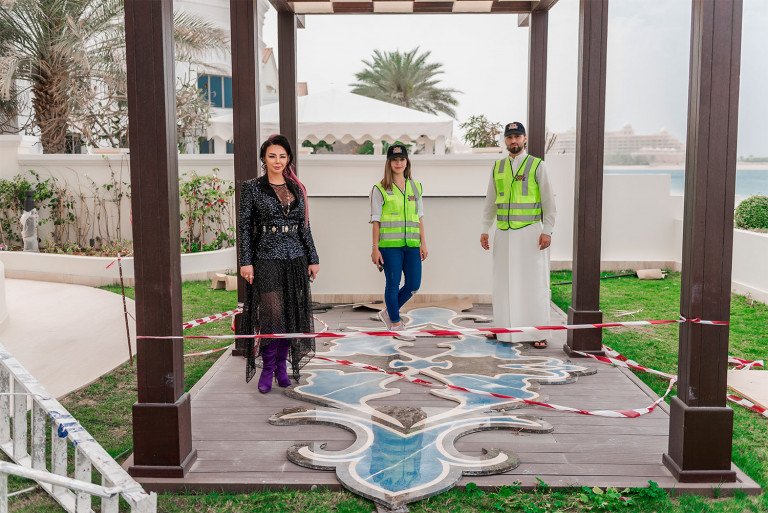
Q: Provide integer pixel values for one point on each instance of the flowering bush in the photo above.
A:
(207, 212)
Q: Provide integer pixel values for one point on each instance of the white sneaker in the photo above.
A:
(404, 337)
(383, 317)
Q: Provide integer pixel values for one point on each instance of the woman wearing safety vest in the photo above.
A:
(399, 244)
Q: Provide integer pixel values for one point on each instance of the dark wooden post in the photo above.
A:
(537, 83)
(588, 201)
(286, 45)
(245, 113)
(701, 426)
(162, 434)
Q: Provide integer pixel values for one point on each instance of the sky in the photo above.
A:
(486, 57)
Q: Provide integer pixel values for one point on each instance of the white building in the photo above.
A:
(658, 148)
(215, 77)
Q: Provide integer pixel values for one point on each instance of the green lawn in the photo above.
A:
(104, 408)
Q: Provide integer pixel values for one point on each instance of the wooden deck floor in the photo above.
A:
(238, 450)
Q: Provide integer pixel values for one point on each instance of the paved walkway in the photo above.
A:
(66, 336)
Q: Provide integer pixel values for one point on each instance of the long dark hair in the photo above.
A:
(289, 172)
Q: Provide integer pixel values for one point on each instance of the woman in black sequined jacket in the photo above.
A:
(278, 259)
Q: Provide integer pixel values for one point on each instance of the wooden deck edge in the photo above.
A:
(527, 482)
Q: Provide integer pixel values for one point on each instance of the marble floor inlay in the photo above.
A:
(405, 451)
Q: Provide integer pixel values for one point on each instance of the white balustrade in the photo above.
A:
(24, 439)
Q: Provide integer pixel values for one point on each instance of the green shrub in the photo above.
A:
(481, 133)
(752, 213)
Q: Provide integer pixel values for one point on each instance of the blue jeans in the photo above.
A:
(399, 261)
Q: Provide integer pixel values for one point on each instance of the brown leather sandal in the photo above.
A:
(540, 344)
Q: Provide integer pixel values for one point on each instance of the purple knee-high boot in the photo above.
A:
(281, 364)
(268, 369)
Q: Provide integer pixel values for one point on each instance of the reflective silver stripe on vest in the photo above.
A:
(415, 188)
(383, 236)
(399, 224)
(501, 163)
(528, 164)
(510, 206)
(536, 217)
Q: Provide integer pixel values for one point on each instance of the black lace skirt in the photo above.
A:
(279, 301)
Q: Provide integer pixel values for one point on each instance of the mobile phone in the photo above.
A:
(381, 267)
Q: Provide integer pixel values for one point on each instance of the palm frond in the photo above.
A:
(407, 79)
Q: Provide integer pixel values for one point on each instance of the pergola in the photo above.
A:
(701, 425)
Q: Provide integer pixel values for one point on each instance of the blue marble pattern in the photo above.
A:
(394, 463)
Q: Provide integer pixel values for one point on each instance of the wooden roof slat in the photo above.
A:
(408, 6)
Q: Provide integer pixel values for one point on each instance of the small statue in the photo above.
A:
(29, 224)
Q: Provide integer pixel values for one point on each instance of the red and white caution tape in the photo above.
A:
(744, 364)
(209, 351)
(619, 360)
(625, 414)
(444, 332)
(218, 350)
(748, 404)
(211, 318)
(113, 262)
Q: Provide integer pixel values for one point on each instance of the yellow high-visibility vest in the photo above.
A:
(518, 198)
(399, 225)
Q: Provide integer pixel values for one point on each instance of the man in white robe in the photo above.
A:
(521, 292)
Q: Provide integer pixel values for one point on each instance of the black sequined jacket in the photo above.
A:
(259, 207)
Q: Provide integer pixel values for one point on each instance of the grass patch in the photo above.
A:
(104, 409)
(657, 348)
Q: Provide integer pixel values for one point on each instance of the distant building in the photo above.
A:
(624, 146)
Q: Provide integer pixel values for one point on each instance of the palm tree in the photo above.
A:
(60, 48)
(405, 79)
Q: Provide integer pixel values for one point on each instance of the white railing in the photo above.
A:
(52, 426)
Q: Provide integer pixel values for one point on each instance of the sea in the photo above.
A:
(750, 179)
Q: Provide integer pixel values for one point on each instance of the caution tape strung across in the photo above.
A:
(209, 351)
(219, 349)
(625, 414)
(619, 360)
(444, 332)
(613, 357)
(211, 318)
(748, 404)
(745, 364)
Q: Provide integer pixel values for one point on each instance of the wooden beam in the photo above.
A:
(537, 83)
(162, 436)
(701, 426)
(245, 116)
(279, 5)
(286, 68)
(544, 5)
(588, 201)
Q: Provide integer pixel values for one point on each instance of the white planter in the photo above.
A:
(90, 270)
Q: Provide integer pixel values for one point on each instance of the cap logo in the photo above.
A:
(512, 126)
(397, 149)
